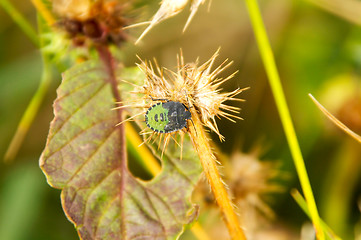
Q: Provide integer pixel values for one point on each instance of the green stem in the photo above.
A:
(29, 115)
(32, 109)
(20, 21)
(275, 82)
(302, 203)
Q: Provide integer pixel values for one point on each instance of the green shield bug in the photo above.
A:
(167, 117)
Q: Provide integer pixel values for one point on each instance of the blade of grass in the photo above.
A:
(44, 12)
(337, 122)
(275, 83)
(20, 21)
(303, 205)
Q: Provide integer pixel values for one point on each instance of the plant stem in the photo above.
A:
(33, 107)
(20, 21)
(275, 82)
(30, 113)
(209, 163)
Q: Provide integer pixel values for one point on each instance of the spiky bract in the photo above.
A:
(191, 84)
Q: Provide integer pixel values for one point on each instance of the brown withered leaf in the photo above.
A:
(83, 158)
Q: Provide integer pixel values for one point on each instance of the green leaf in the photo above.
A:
(83, 157)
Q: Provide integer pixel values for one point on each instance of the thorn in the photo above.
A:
(136, 25)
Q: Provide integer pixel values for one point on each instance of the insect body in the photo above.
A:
(167, 117)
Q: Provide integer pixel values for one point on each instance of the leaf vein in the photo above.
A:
(78, 134)
(166, 205)
(78, 109)
(74, 90)
(139, 205)
(90, 157)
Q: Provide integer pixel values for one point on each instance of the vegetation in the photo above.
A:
(75, 91)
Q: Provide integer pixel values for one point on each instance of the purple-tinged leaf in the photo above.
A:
(83, 158)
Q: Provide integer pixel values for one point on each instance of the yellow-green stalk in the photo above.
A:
(275, 82)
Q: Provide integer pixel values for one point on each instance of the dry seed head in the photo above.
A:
(249, 179)
(193, 85)
(167, 9)
(93, 21)
(74, 9)
(252, 176)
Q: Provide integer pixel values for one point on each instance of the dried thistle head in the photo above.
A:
(204, 85)
(191, 85)
(250, 179)
(100, 21)
(194, 86)
(80, 9)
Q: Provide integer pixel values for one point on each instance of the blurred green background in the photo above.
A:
(317, 51)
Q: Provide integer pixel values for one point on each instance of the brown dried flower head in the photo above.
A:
(193, 85)
(249, 179)
(101, 21)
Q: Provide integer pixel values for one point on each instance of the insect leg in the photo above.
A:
(158, 99)
(194, 126)
(187, 100)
